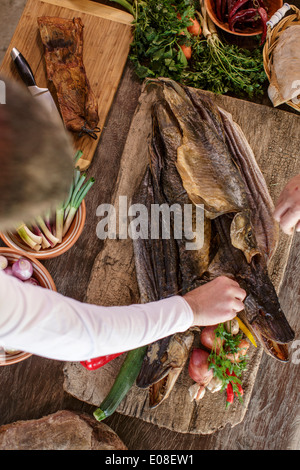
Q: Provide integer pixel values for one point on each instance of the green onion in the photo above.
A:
(61, 210)
(79, 194)
(45, 243)
(50, 237)
(59, 223)
(51, 228)
(28, 237)
(36, 238)
(78, 155)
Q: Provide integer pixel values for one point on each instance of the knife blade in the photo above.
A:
(43, 95)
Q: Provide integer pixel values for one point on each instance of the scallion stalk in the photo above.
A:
(83, 192)
(59, 223)
(51, 228)
(28, 239)
(50, 237)
(45, 243)
(38, 232)
(61, 210)
(78, 155)
(35, 237)
(76, 200)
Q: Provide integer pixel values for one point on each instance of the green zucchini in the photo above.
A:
(123, 383)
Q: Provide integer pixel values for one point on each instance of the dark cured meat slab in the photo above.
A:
(63, 46)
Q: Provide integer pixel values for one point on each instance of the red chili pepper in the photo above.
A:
(231, 3)
(223, 9)
(230, 395)
(97, 362)
(219, 9)
(242, 15)
(240, 389)
(264, 18)
(236, 7)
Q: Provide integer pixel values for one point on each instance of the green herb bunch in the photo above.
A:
(215, 64)
(225, 68)
(223, 368)
(155, 50)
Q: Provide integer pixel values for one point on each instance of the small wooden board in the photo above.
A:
(274, 138)
(106, 43)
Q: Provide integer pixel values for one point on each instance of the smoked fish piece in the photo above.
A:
(156, 262)
(63, 52)
(164, 266)
(262, 313)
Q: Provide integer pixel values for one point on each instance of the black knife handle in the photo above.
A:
(24, 70)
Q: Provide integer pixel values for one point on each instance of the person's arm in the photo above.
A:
(48, 324)
(287, 210)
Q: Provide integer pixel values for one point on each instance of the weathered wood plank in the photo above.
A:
(114, 266)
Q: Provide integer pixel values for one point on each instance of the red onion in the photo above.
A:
(3, 262)
(209, 339)
(199, 372)
(198, 367)
(8, 271)
(22, 269)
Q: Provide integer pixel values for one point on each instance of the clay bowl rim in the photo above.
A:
(37, 265)
(13, 241)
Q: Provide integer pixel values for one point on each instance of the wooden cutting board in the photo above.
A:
(106, 43)
(274, 137)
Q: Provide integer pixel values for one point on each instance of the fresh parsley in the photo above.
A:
(215, 64)
(223, 368)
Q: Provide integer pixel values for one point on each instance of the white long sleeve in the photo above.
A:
(48, 324)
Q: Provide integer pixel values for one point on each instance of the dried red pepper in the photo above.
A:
(97, 362)
(230, 4)
(264, 18)
(219, 9)
(223, 9)
(243, 15)
(236, 7)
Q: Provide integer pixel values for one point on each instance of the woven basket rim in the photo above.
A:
(273, 35)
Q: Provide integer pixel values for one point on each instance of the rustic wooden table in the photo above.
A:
(34, 388)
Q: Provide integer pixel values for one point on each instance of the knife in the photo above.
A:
(42, 94)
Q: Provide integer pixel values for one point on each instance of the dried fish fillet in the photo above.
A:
(208, 172)
(285, 69)
(63, 45)
(199, 157)
(187, 125)
(259, 199)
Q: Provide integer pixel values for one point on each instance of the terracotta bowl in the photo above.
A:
(43, 277)
(12, 240)
(273, 6)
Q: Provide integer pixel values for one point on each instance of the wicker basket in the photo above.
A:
(276, 25)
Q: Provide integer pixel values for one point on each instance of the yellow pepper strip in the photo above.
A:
(246, 331)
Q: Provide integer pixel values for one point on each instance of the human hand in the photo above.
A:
(287, 210)
(216, 302)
